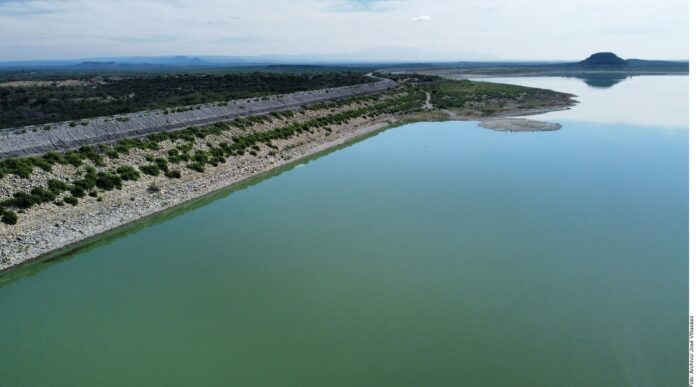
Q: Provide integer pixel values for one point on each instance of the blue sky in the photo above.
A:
(505, 29)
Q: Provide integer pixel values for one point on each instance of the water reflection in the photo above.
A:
(602, 81)
(428, 250)
(659, 101)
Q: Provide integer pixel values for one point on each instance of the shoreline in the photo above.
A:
(49, 234)
(40, 239)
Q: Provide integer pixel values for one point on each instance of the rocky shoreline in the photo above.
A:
(47, 230)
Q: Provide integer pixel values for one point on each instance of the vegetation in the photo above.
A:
(150, 169)
(31, 105)
(23, 167)
(92, 181)
(71, 200)
(487, 97)
(128, 173)
(8, 217)
(197, 148)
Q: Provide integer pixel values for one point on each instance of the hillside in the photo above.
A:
(603, 59)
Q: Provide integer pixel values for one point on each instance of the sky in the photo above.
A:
(402, 29)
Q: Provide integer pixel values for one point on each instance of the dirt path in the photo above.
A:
(427, 105)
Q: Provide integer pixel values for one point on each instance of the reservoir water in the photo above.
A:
(432, 254)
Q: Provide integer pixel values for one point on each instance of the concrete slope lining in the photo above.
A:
(64, 136)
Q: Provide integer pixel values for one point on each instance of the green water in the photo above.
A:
(433, 254)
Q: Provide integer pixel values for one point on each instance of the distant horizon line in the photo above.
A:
(269, 59)
(308, 58)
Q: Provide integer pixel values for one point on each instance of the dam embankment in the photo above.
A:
(63, 136)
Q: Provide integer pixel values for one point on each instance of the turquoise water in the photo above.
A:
(429, 254)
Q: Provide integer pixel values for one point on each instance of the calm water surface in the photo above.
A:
(429, 254)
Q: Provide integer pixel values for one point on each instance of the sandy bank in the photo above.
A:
(518, 125)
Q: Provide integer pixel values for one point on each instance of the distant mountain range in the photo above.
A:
(380, 55)
(383, 56)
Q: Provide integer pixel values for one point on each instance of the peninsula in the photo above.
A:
(61, 183)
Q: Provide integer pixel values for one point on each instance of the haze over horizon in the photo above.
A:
(397, 30)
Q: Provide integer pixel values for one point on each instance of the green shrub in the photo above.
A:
(73, 158)
(71, 200)
(42, 163)
(21, 167)
(128, 173)
(196, 166)
(200, 157)
(108, 181)
(88, 182)
(153, 145)
(53, 157)
(9, 217)
(173, 174)
(150, 169)
(57, 186)
(124, 145)
(162, 164)
(23, 200)
(42, 195)
(91, 153)
(112, 153)
(77, 191)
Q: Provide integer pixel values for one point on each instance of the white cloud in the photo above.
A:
(218, 22)
(570, 29)
(421, 18)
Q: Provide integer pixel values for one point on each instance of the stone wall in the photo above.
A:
(62, 136)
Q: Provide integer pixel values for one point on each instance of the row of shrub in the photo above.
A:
(251, 143)
(23, 167)
(215, 155)
(88, 184)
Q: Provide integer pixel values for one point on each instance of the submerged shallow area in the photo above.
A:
(428, 254)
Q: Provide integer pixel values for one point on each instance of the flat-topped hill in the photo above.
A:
(603, 59)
